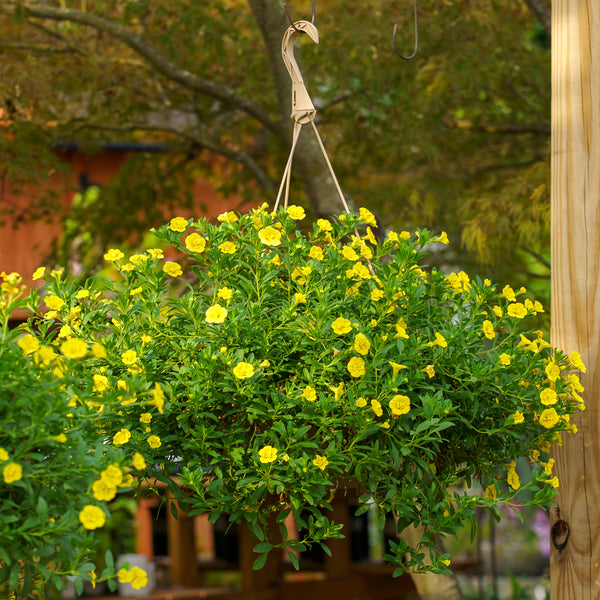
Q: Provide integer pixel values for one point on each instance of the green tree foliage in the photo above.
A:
(457, 139)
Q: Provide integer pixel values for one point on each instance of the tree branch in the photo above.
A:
(235, 155)
(184, 78)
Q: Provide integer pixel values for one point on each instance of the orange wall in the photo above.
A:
(29, 245)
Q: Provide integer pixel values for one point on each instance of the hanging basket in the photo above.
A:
(286, 366)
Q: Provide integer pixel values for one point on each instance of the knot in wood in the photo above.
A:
(560, 534)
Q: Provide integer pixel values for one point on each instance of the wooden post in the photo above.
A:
(575, 523)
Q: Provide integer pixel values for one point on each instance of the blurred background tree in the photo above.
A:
(457, 139)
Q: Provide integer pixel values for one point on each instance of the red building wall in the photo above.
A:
(27, 246)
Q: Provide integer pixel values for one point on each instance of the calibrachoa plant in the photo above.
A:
(56, 474)
(272, 368)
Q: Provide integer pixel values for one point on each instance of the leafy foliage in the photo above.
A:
(288, 366)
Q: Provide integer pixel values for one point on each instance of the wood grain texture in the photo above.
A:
(575, 309)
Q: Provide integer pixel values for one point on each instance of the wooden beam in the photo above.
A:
(575, 309)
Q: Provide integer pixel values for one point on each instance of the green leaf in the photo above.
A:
(293, 559)
(260, 562)
(262, 547)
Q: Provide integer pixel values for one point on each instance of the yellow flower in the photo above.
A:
(356, 367)
(359, 270)
(98, 350)
(349, 254)
(225, 293)
(396, 368)
(377, 294)
(300, 272)
(361, 402)
(324, 225)
(243, 370)
(267, 454)
(145, 418)
(178, 224)
(158, 398)
(215, 314)
(376, 407)
(124, 576)
(38, 273)
(29, 344)
(548, 466)
(138, 462)
(269, 236)
(81, 294)
(12, 472)
(509, 293)
(320, 461)
(296, 212)
(549, 418)
(442, 238)
(518, 418)
(195, 243)
(54, 302)
(113, 255)
(129, 357)
(316, 252)
(155, 253)
(227, 217)
(400, 327)
(504, 359)
(100, 383)
(400, 405)
(459, 282)
(3, 454)
(227, 248)
(512, 476)
(554, 482)
(121, 437)
(430, 370)
(102, 490)
(576, 362)
(172, 268)
(491, 492)
(338, 391)
(341, 326)
(309, 393)
(488, 330)
(74, 348)
(367, 216)
(440, 340)
(139, 578)
(361, 344)
(299, 299)
(517, 310)
(154, 441)
(92, 517)
(548, 396)
(112, 475)
(264, 364)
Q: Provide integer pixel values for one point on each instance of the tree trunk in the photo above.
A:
(575, 522)
(309, 164)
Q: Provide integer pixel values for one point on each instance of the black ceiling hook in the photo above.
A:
(416, 38)
(287, 12)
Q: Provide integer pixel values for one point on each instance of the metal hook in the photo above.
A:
(287, 12)
(416, 38)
